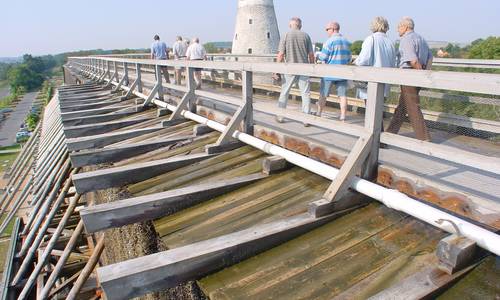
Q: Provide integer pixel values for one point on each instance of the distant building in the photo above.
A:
(256, 31)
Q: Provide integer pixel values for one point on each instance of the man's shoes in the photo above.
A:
(306, 124)
(280, 119)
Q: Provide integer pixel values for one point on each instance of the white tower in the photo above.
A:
(256, 28)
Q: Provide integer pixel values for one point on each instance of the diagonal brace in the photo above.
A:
(334, 199)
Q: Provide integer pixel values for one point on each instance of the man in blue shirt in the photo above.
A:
(336, 51)
(159, 51)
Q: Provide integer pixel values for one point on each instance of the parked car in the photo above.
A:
(22, 136)
(6, 110)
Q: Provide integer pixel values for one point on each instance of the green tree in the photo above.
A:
(356, 47)
(485, 49)
(22, 76)
(211, 48)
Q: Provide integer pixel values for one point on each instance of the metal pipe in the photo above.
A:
(87, 270)
(48, 250)
(62, 261)
(391, 198)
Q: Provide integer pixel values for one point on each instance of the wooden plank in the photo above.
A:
(421, 285)
(89, 106)
(453, 154)
(100, 128)
(120, 176)
(90, 112)
(139, 276)
(274, 164)
(476, 83)
(118, 153)
(150, 207)
(101, 140)
(87, 120)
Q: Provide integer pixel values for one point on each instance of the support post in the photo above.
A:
(455, 253)
(374, 118)
(159, 81)
(139, 77)
(244, 114)
(187, 102)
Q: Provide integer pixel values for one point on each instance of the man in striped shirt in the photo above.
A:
(336, 51)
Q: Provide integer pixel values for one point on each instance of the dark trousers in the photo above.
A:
(164, 70)
(409, 103)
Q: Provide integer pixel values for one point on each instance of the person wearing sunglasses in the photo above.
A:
(336, 51)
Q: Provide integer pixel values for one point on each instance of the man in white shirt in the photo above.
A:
(179, 49)
(159, 52)
(196, 51)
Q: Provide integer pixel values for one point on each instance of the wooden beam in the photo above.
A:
(187, 101)
(201, 129)
(100, 128)
(87, 270)
(373, 124)
(453, 154)
(90, 112)
(65, 284)
(421, 285)
(333, 199)
(120, 176)
(150, 207)
(102, 140)
(274, 164)
(455, 253)
(118, 153)
(89, 106)
(88, 120)
(170, 268)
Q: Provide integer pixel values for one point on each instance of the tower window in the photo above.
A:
(268, 35)
(249, 50)
(250, 21)
(236, 37)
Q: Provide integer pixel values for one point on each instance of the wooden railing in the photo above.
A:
(107, 68)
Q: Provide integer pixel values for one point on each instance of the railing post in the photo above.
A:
(188, 100)
(247, 90)
(374, 117)
(116, 77)
(139, 79)
(159, 81)
(125, 73)
(109, 70)
(191, 85)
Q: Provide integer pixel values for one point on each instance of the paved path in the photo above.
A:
(10, 127)
(4, 92)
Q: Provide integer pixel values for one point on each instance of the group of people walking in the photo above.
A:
(182, 50)
(377, 51)
(296, 47)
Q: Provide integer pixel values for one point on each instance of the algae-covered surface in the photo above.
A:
(369, 249)
(481, 283)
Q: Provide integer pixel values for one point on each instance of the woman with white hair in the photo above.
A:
(377, 51)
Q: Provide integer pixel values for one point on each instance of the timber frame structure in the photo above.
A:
(87, 124)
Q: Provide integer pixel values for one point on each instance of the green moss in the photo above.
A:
(481, 283)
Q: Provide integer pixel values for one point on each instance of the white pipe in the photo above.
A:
(391, 198)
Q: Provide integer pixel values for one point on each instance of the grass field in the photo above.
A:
(6, 160)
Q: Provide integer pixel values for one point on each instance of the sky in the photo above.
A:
(55, 26)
